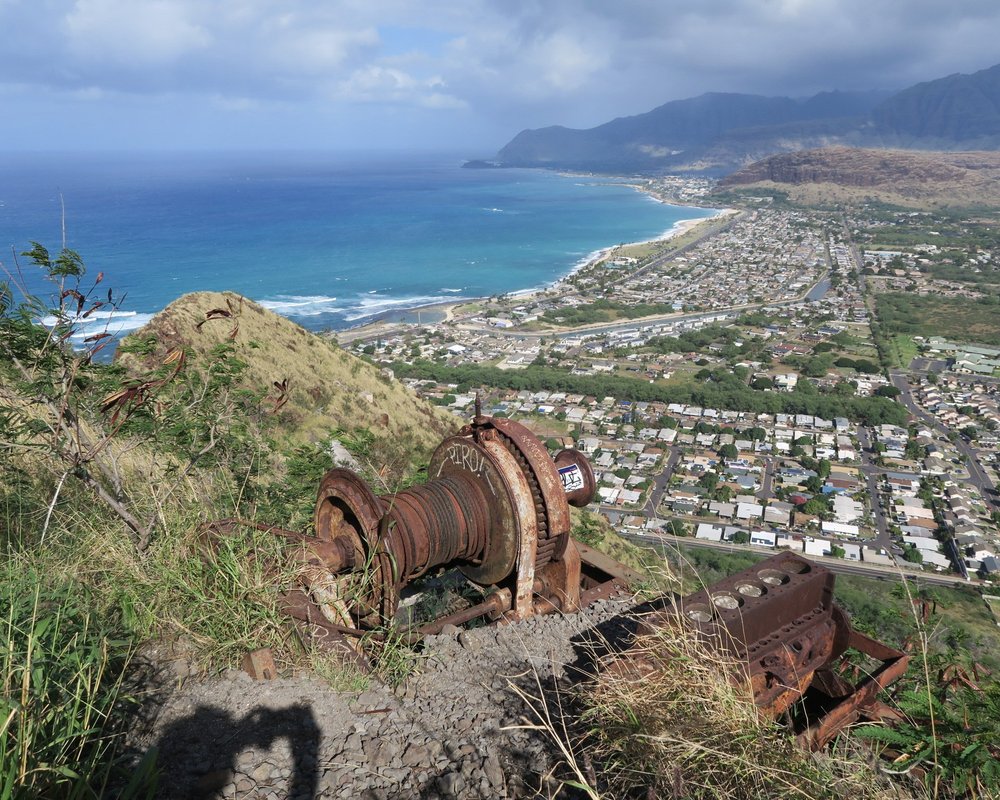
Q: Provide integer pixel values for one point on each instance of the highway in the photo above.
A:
(635, 324)
(663, 542)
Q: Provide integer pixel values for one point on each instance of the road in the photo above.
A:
(662, 541)
(871, 472)
(661, 482)
(977, 475)
(634, 324)
(767, 480)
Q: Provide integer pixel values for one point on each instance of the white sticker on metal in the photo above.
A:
(571, 477)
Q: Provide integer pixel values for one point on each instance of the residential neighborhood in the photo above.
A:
(769, 309)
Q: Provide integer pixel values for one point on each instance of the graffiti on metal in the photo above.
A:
(471, 460)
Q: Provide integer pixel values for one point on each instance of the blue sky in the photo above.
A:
(438, 74)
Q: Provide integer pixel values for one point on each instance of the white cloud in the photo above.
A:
(511, 63)
(143, 32)
(314, 52)
(378, 84)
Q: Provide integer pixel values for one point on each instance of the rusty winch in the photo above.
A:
(496, 508)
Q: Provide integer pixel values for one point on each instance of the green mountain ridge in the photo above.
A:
(720, 132)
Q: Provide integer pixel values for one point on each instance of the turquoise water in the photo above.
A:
(330, 242)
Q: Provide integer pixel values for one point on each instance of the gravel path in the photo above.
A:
(453, 730)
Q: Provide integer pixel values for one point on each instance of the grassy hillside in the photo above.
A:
(327, 388)
(108, 473)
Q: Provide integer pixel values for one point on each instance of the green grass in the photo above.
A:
(62, 667)
(903, 350)
(993, 603)
(959, 319)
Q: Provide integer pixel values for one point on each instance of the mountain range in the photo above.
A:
(717, 133)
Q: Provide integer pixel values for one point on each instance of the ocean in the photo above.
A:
(326, 240)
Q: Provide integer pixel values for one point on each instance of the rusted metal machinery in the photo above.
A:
(778, 620)
(496, 506)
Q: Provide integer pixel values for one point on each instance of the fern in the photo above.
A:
(961, 751)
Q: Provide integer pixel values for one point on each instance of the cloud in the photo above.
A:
(317, 52)
(501, 64)
(125, 31)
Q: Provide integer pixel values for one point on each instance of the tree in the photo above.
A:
(814, 484)
(709, 480)
(818, 366)
(61, 382)
(887, 391)
(815, 507)
(728, 452)
(915, 450)
(836, 551)
(741, 537)
(913, 555)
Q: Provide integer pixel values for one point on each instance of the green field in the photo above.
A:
(903, 350)
(959, 318)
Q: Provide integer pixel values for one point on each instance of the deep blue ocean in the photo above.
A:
(327, 240)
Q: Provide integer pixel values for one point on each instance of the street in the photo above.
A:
(663, 541)
(977, 475)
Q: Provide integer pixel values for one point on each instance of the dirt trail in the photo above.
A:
(452, 730)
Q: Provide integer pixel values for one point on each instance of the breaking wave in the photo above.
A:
(114, 322)
(372, 306)
(302, 305)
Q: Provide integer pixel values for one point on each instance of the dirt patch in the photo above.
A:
(455, 729)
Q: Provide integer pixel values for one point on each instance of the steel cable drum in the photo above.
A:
(471, 464)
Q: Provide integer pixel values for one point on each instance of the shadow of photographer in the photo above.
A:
(197, 756)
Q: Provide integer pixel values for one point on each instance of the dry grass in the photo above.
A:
(679, 727)
(327, 388)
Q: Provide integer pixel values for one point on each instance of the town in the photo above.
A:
(755, 382)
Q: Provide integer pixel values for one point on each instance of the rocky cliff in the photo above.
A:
(900, 176)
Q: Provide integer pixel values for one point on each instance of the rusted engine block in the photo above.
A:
(778, 621)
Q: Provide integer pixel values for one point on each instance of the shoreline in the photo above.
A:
(447, 309)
